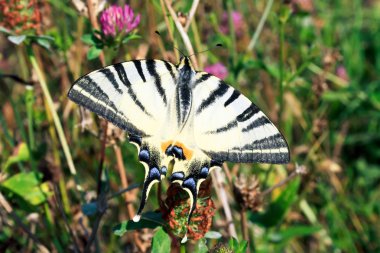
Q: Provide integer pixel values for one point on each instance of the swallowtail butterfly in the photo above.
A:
(175, 113)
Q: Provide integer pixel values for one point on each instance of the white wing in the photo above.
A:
(133, 95)
(229, 127)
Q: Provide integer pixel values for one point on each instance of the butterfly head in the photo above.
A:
(185, 63)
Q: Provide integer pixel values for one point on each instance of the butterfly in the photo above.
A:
(175, 114)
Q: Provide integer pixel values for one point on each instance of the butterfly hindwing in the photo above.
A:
(229, 127)
(133, 95)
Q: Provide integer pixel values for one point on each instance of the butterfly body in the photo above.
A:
(175, 114)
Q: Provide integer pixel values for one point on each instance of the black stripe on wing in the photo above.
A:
(230, 125)
(232, 98)
(261, 121)
(139, 69)
(248, 113)
(151, 67)
(120, 70)
(204, 77)
(111, 78)
(93, 103)
(170, 69)
(214, 95)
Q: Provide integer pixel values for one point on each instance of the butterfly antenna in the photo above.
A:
(208, 49)
(159, 34)
(182, 54)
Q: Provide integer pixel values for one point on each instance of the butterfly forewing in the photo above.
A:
(133, 95)
(229, 127)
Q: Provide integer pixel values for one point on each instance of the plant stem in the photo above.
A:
(124, 181)
(182, 248)
(29, 101)
(231, 27)
(58, 199)
(282, 74)
(131, 187)
(50, 104)
(222, 195)
(170, 31)
(300, 170)
(191, 14)
(57, 160)
(29, 97)
(91, 7)
(198, 42)
(183, 34)
(329, 76)
(260, 26)
(102, 156)
(94, 231)
(244, 225)
(52, 228)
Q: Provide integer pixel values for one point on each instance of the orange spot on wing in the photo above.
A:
(187, 152)
(165, 145)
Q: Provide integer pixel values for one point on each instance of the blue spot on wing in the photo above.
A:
(164, 170)
(189, 183)
(177, 176)
(144, 155)
(154, 173)
(204, 172)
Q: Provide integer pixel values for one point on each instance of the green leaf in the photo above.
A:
(27, 186)
(21, 154)
(161, 242)
(87, 39)
(148, 220)
(278, 208)
(285, 13)
(293, 232)
(43, 42)
(201, 246)
(343, 97)
(93, 52)
(253, 64)
(375, 99)
(16, 39)
(41, 37)
(130, 37)
(236, 246)
(272, 69)
(91, 39)
(62, 41)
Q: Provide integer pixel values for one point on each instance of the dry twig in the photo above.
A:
(218, 182)
(183, 33)
(300, 170)
(191, 14)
